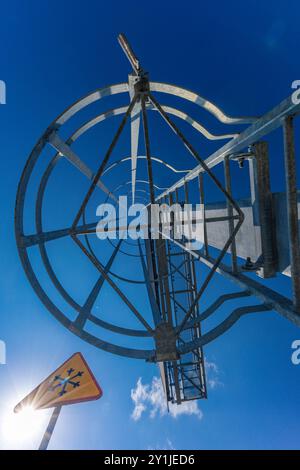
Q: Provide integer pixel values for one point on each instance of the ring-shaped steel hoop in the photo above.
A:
(22, 187)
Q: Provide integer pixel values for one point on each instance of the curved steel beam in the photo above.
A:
(200, 101)
(143, 157)
(119, 329)
(64, 117)
(168, 109)
(89, 99)
(214, 306)
(105, 345)
(154, 86)
(137, 190)
(186, 117)
(57, 313)
(49, 269)
(222, 327)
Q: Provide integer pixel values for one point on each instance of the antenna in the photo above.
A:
(128, 51)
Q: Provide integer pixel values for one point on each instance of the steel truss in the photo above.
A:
(169, 268)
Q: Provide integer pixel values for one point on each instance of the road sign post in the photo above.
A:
(73, 382)
(50, 428)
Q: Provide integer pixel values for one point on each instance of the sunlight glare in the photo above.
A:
(24, 429)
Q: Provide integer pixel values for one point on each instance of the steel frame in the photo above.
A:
(167, 332)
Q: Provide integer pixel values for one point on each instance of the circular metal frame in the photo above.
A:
(22, 239)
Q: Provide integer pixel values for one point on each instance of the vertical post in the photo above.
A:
(148, 153)
(189, 215)
(230, 213)
(50, 428)
(175, 364)
(292, 209)
(202, 202)
(261, 199)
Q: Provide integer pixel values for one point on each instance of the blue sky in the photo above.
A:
(242, 56)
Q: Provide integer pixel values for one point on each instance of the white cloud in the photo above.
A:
(214, 383)
(138, 411)
(167, 446)
(212, 366)
(139, 396)
(170, 444)
(151, 397)
(212, 375)
(186, 408)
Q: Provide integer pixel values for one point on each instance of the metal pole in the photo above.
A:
(127, 49)
(230, 213)
(50, 428)
(202, 202)
(147, 146)
(292, 209)
(261, 200)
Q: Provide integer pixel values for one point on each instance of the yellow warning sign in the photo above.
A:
(72, 382)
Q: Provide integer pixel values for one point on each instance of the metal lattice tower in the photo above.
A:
(243, 241)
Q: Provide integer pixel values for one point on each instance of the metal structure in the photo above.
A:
(241, 239)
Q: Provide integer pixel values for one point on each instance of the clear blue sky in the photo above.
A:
(241, 55)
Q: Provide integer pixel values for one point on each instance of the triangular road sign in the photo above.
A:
(72, 382)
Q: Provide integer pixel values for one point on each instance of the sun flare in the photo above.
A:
(23, 429)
